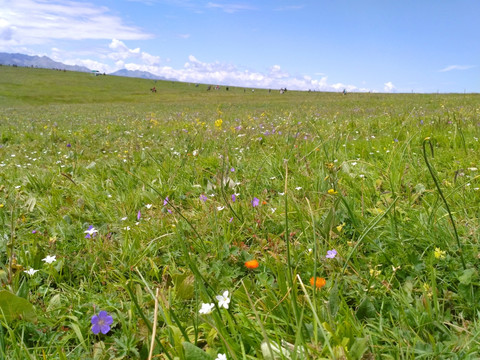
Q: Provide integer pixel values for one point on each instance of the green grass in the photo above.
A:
(330, 172)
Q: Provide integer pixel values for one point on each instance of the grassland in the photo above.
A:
(184, 186)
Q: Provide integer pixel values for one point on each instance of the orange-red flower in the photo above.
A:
(319, 282)
(251, 264)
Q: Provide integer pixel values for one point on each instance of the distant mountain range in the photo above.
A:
(46, 63)
(139, 74)
(37, 61)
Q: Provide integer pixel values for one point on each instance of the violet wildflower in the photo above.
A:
(91, 232)
(139, 215)
(101, 322)
(255, 202)
(165, 202)
(203, 197)
(331, 254)
(234, 197)
(69, 145)
(232, 169)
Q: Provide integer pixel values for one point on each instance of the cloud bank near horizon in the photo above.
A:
(196, 71)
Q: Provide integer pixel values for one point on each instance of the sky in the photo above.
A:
(323, 45)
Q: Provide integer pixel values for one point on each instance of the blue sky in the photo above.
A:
(360, 45)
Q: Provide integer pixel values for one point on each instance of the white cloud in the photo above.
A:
(197, 71)
(389, 87)
(122, 52)
(28, 22)
(229, 8)
(456, 67)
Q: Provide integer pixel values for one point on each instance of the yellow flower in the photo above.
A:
(332, 191)
(340, 227)
(218, 123)
(439, 254)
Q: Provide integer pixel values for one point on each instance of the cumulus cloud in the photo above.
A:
(120, 51)
(456, 67)
(29, 22)
(389, 87)
(219, 73)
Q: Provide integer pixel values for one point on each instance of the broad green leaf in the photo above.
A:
(467, 276)
(15, 307)
(194, 353)
(366, 310)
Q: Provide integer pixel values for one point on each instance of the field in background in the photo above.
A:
(184, 186)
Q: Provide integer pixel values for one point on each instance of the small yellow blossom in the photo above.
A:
(439, 254)
(340, 227)
(332, 191)
(375, 272)
(218, 123)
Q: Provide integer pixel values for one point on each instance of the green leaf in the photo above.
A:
(333, 300)
(194, 353)
(15, 307)
(467, 276)
(366, 310)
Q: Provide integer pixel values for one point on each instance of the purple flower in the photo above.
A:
(34, 231)
(231, 219)
(69, 145)
(232, 169)
(203, 197)
(234, 197)
(139, 215)
(331, 254)
(101, 322)
(165, 202)
(91, 231)
(255, 202)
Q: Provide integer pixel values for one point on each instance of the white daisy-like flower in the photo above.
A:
(221, 357)
(91, 231)
(30, 271)
(50, 259)
(223, 300)
(207, 308)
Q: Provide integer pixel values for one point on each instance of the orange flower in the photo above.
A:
(318, 281)
(251, 264)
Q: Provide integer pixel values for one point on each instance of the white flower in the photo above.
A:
(91, 231)
(195, 152)
(220, 208)
(30, 271)
(273, 210)
(223, 300)
(354, 163)
(50, 259)
(298, 188)
(281, 193)
(221, 357)
(206, 308)
(127, 228)
(124, 218)
(148, 206)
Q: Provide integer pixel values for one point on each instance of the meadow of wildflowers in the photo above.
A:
(211, 225)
